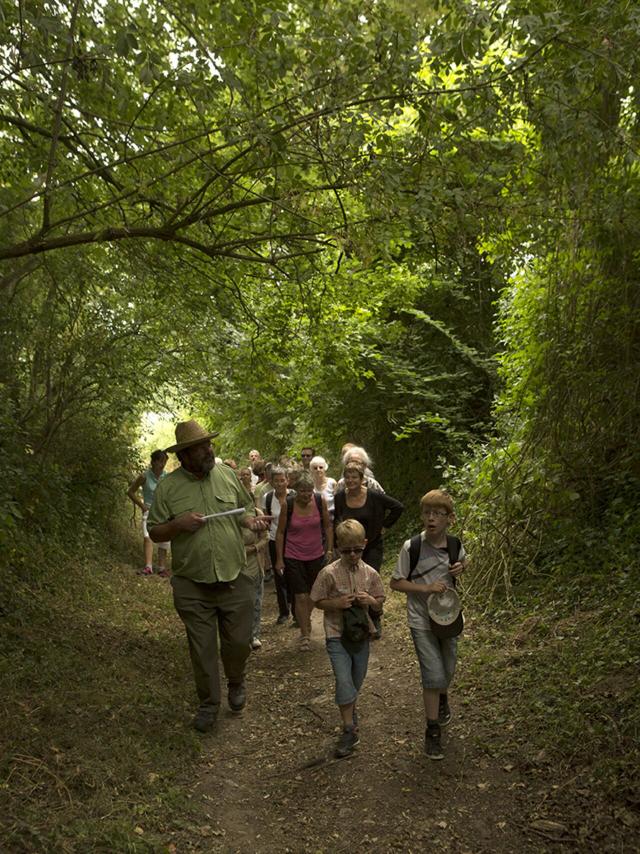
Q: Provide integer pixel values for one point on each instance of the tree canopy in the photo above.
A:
(412, 225)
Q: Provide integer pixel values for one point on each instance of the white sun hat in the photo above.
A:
(444, 607)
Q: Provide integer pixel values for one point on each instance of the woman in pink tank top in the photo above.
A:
(303, 537)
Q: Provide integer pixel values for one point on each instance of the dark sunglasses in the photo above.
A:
(354, 550)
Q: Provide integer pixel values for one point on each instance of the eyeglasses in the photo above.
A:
(436, 513)
(354, 550)
(306, 455)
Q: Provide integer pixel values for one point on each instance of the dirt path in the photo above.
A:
(97, 755)
(268, 782)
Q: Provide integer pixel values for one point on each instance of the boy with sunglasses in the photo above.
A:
(434, 571)
(342, 584)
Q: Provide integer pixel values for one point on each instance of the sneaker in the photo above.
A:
(294, 624)
(205, 720)
(282, 619)
(305, 644)
(346, 743)
(146, 570)
(237, 696)
(163, 573)
(432, 744)
(256, 643)
(444, 712)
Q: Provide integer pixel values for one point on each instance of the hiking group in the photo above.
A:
(322, 541)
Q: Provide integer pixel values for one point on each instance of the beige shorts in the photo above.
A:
(145, 533)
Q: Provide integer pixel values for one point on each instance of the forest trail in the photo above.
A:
(97, 753)
(268, 781)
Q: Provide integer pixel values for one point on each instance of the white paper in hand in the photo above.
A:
(235, 512)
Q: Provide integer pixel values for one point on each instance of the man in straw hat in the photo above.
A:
(212, 591)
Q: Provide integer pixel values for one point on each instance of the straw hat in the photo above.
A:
(444, 607)
(189, 433)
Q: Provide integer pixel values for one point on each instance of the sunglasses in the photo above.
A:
(354, 550)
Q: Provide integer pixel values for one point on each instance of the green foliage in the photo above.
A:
(563, 660)
(562, 473)
(319, 223)
(355, 360)
(89, 665)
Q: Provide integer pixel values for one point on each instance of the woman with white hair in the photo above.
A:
(323, 485)
(356, 454)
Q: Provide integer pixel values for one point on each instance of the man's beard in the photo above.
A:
(206, 465)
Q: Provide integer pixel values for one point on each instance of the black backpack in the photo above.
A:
(453, 550)
(355, 625)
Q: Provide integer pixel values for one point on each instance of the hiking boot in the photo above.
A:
(205, 720)
(444, 712)
(237, 696)
(432, 744)
(346, 743)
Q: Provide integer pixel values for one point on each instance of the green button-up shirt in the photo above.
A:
(216, 551)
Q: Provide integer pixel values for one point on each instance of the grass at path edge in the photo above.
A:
(96, 750)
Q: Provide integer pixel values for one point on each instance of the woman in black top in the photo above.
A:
(375, 511)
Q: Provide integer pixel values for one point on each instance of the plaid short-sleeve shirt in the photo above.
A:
(335, 580)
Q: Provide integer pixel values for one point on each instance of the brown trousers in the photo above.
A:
(206, 611)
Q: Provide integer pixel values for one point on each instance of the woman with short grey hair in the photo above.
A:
(358, 455)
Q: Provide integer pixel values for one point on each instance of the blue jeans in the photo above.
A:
(437, 657)
(349, 669)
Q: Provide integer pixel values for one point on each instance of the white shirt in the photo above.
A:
(275, 510)
(434, 563)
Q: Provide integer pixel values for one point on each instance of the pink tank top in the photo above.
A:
(304, 535)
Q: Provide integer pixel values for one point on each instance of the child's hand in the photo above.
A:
(363, 598)
(456, 569)
(436, 587)
(343, 602)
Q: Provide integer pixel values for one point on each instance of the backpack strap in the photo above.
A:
(453, 549)
(290, 499)
(414, 553)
